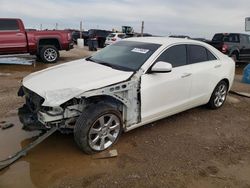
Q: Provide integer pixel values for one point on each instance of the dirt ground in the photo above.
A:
(199, 148)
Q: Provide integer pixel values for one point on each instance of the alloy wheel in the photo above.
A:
(104, 132)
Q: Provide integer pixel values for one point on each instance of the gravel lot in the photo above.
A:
(197, 148)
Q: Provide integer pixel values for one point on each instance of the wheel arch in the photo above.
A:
(227, 82)
(107, 99)
(234, 51)
(49, 41)
(224, 79)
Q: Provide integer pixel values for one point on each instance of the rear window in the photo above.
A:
(210, 56)
(9, 25)
(121, 36)
(111, 35)
(198, 54)
(226, 38)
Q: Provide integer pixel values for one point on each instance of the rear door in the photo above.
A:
(12, 40)
(205, 70)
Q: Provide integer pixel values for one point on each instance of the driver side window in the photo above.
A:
(176, 55)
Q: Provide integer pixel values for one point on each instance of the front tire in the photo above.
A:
(219, 95)
(49, 54)
(98, 128)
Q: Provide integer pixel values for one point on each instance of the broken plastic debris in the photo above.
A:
(7, 126)
(106, 154)
(16, 61)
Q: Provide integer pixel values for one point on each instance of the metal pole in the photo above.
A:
(142, 28)
(81, 30)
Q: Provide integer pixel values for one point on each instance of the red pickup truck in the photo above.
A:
(14, 39)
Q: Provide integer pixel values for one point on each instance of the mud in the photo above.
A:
(196, 148)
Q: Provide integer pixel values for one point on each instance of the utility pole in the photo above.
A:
(41, 27)
(56, 26)
(142, 28)
(80, 29)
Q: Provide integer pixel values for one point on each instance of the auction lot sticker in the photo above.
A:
(140, 50)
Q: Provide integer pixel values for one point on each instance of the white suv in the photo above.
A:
(114, 37)
(126, 85)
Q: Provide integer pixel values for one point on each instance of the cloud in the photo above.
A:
(162, 17)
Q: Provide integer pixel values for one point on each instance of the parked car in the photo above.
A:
(14, 39)
(201, 39)
(76, 35)
(126, 85)
(99, 35)
(114, 37)
(180, 36)
(235, 45)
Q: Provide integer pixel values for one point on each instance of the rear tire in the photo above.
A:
(235, 56)
(219, 95)
(98, 128)
(49, 54)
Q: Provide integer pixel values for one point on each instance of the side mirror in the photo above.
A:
(161, 67)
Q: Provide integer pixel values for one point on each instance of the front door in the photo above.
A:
(164, 94)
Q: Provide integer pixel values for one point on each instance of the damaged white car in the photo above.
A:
(126, 85)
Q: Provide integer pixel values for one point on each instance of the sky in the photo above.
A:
(196, 18)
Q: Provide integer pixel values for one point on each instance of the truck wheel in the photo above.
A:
(219, 95)
(98, 128)
(235, 56)
(49, 54)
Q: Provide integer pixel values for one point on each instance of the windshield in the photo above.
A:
(125, 55)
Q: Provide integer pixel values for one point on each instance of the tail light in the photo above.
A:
(224, 48)
(69, 36)
(113, 39)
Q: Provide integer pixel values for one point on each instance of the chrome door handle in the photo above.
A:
(217, 66)
(186, 75)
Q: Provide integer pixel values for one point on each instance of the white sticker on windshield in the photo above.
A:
(140, 50)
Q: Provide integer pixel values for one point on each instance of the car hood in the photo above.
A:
(60, 83)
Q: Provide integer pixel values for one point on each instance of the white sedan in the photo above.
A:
(126, 85)
(114, 37)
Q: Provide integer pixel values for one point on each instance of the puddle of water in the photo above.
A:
(14, 138)
(49, 163)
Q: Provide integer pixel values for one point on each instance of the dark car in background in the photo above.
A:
(99, 36)
(76, 35)
(235, 45)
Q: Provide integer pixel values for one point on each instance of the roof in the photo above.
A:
(162, 40)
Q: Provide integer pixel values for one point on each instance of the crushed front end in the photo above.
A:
(34, 116)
